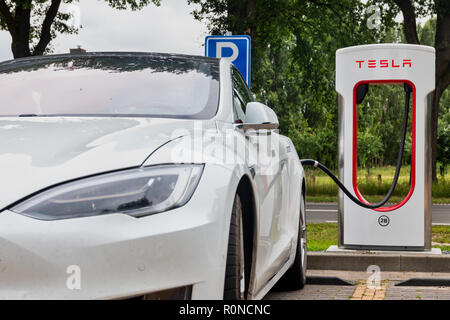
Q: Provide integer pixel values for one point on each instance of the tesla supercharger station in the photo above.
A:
(407, 224)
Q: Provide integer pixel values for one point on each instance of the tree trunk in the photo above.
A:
(409, 20)
(442, 44)
(20, 45)
(434, 128)
(20, 30)
(19, 26)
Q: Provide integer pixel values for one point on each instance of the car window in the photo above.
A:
(238, 106)
(242, 95)
(111, 85)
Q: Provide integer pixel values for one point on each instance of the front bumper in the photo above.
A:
(118, 256)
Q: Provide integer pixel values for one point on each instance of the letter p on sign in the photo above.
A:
(236, 49)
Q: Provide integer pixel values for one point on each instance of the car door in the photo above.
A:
(271, 175)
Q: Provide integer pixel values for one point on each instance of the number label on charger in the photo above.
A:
(383, 221)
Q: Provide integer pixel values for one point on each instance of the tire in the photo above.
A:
(295, 277)
(234, 288)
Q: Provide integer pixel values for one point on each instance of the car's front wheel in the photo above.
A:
(234, 288)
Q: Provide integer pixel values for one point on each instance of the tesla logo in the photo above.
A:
(392, 63)
(383, 221)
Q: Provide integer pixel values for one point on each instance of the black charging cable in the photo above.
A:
(360, 97)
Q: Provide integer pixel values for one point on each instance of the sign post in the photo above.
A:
(236, 49)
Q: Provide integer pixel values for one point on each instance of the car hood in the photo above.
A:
(36, 153)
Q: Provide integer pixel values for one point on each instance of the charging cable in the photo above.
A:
(360, 97)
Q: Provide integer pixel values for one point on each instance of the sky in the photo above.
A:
(169, 28)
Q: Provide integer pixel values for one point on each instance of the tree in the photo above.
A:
(370, 148)
(33, 24)
(293, 60)
(443, 147)
(411, 10)
(427, 37)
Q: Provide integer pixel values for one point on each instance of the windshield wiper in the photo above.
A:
(25, 115)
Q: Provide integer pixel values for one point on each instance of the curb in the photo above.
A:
(386, 262)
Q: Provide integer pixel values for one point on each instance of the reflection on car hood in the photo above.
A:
(36, 153)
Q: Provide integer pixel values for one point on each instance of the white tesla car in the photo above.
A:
(143, 175)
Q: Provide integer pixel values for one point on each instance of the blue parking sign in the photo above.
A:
(237, 49)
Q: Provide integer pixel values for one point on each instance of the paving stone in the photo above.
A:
(388, 290)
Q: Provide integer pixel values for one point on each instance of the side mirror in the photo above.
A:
(259, 117)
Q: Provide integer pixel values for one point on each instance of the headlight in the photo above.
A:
(137, 192)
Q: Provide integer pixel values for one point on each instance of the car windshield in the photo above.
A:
(111, 85)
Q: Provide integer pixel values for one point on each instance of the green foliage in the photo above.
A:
(131, 4)
(443, 145)
(435, 32)
(369, 148)
(380, 120)
(427, 32)
(293, 62)
(390, 9)
(294, 44)
(426, 35)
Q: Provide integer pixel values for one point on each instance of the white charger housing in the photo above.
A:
(407, 224)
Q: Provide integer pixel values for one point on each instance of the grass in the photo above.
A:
(320, 188)
(322, 235)
(441, 234)
(394, 199)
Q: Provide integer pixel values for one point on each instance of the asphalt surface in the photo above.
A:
(327, 212)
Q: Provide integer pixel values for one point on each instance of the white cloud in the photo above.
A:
(5, 46)
(168, 28)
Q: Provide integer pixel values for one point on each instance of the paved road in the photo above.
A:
(327, 212)
(387, 289)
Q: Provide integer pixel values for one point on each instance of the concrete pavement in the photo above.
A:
(327, 212)
(362, 289)
(387, 261)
